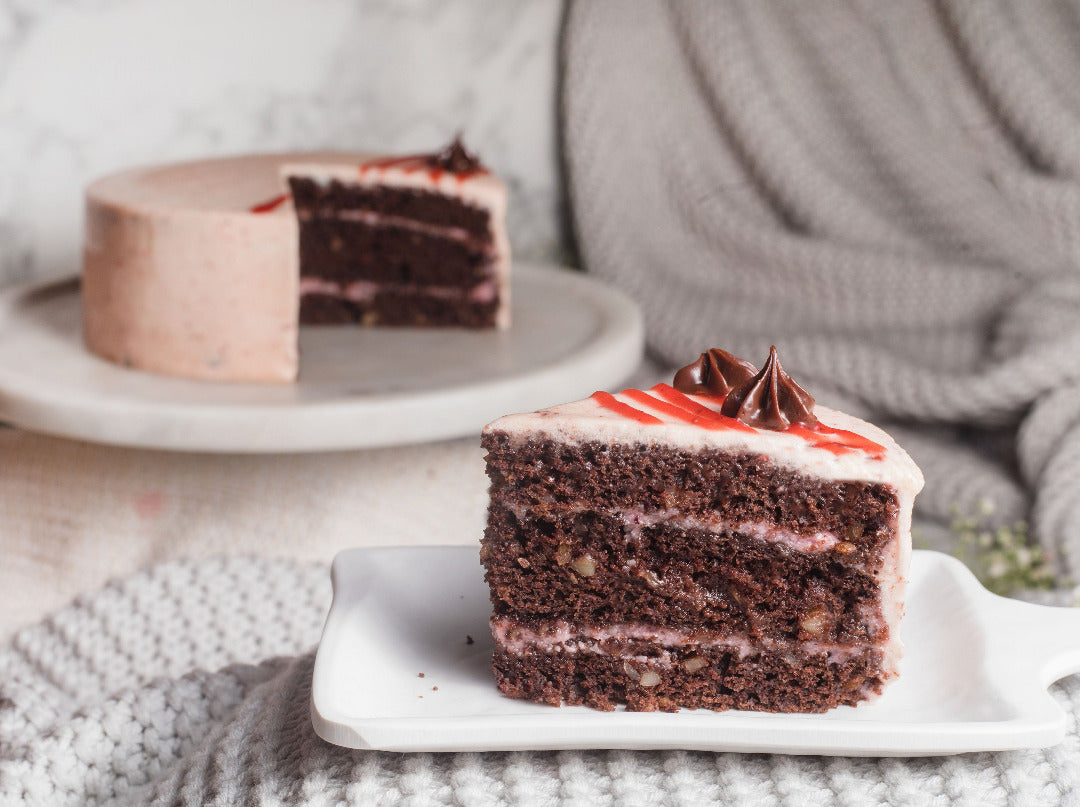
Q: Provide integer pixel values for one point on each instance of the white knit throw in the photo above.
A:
(888, 191)
(112, 702)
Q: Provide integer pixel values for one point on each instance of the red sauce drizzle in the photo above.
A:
(417, 161)
(645, 398)
(677, 405)
(706, 417)
(411, 163)
(838, 441)
(610, 402)
(270, 204)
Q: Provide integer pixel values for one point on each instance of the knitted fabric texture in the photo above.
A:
(890, 192)
(112, 702)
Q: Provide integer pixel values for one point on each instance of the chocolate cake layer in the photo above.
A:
(395, 308)
(346, 250)
(594, 567)
(326, 200)
(660, 549)
(737, 486)
(711, 678)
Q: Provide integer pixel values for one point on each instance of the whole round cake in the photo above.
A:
(207, 269)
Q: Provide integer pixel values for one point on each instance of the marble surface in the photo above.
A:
(90, 86)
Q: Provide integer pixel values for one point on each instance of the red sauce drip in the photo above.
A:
(838, 441)
(677, 405)
(644, 398)
(703, 416)
(817, 440)
(610, 402)
(270, 204)
(395, 162)
(680, 406)
(410, 163)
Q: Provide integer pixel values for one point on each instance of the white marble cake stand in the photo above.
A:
(358, 387)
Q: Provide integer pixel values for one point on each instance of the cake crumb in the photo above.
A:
(469, 639)
(434, 689)
(419, 675)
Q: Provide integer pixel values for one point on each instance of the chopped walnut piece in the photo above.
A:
(649, 679)
(651, 578)
(562, 554)
(815, 621)
(584, 565)
(694, 663)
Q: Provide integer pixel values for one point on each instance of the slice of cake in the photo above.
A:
(206, 269)
(417, 240)
(718, 543)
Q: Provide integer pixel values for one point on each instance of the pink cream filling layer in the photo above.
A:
(364, 291)
(562, 637)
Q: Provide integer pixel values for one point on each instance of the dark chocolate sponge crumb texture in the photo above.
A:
(557, 551)
(794, 681)
(403, 241)
(658, 574)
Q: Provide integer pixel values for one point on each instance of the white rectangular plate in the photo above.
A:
(974, 676)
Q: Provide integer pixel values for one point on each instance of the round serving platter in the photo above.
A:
(358, 387)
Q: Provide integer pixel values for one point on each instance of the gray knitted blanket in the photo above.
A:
(890, 192)
(146, 694)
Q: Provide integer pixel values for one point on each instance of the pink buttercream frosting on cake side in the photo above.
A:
(192, 269)
(181, 278)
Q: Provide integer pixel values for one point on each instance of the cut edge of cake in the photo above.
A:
(459, 177)
(685, 433)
